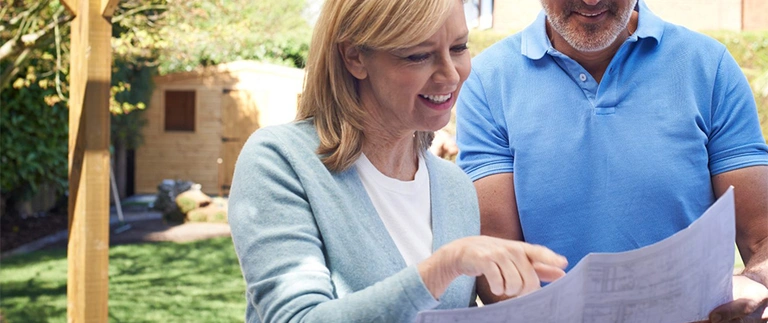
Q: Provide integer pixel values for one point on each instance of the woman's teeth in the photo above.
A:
(437, 98)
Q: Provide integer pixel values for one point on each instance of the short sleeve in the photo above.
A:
(735, 138)
(480, 133)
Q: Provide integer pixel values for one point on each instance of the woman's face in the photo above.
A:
(414, 89)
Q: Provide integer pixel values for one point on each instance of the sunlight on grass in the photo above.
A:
(738, 265)
(163, 282)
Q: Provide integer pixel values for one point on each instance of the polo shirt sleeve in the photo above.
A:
(735, 138)
(481, 132)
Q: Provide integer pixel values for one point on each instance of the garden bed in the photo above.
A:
(16, 231)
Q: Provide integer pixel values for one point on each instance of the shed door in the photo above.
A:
(239, 118)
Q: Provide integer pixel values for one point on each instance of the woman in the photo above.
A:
(343, 215)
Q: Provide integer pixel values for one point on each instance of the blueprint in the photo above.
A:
(679, 279)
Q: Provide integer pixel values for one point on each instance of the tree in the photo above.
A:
(205, 32)
(27, 26)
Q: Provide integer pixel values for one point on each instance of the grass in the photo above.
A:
(162, 282)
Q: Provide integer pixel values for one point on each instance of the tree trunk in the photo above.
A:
(121, 168)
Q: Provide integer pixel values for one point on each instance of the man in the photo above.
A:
(602, 128)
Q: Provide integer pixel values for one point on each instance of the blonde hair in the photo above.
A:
(330, 92)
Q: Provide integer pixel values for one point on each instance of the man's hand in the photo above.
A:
(749, 305)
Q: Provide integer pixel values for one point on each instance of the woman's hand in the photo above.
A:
(512, 268)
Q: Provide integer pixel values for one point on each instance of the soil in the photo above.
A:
(16, 231)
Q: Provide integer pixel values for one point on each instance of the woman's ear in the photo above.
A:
(353, 60)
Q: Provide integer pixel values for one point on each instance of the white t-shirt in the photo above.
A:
(404, 207)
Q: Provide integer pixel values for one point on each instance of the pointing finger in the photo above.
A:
(537, 253)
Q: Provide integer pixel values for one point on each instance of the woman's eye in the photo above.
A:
(459, 48)
(417, 57)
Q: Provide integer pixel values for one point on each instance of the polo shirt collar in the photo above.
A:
(535, 43)
(649, 25)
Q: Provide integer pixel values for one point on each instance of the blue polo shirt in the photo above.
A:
(612, 166)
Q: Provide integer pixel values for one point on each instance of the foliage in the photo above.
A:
(750, 49)
(136, 46)
(131, 91)
(162, 282)
(203, 32)
(479, 40)
(25, 26)
(34, 135)
(33, 113)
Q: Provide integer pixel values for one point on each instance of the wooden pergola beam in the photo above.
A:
(71, 5)
(108, 9)
(88, 247)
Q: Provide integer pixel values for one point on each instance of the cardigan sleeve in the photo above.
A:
(282, 255)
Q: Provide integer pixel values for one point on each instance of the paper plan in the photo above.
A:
(679, 279)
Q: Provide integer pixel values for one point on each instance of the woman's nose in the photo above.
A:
(446, 72)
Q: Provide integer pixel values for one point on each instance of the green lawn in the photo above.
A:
(163, 282)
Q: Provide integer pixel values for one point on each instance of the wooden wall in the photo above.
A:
(193, 155)
(755, 15)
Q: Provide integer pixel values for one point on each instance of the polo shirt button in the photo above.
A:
(583, 77)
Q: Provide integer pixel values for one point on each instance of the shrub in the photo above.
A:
(34, 127)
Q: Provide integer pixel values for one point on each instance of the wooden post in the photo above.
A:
(90, 73)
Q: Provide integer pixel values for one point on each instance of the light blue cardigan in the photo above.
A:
(312, 247)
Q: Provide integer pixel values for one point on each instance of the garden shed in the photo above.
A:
(198, 121)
